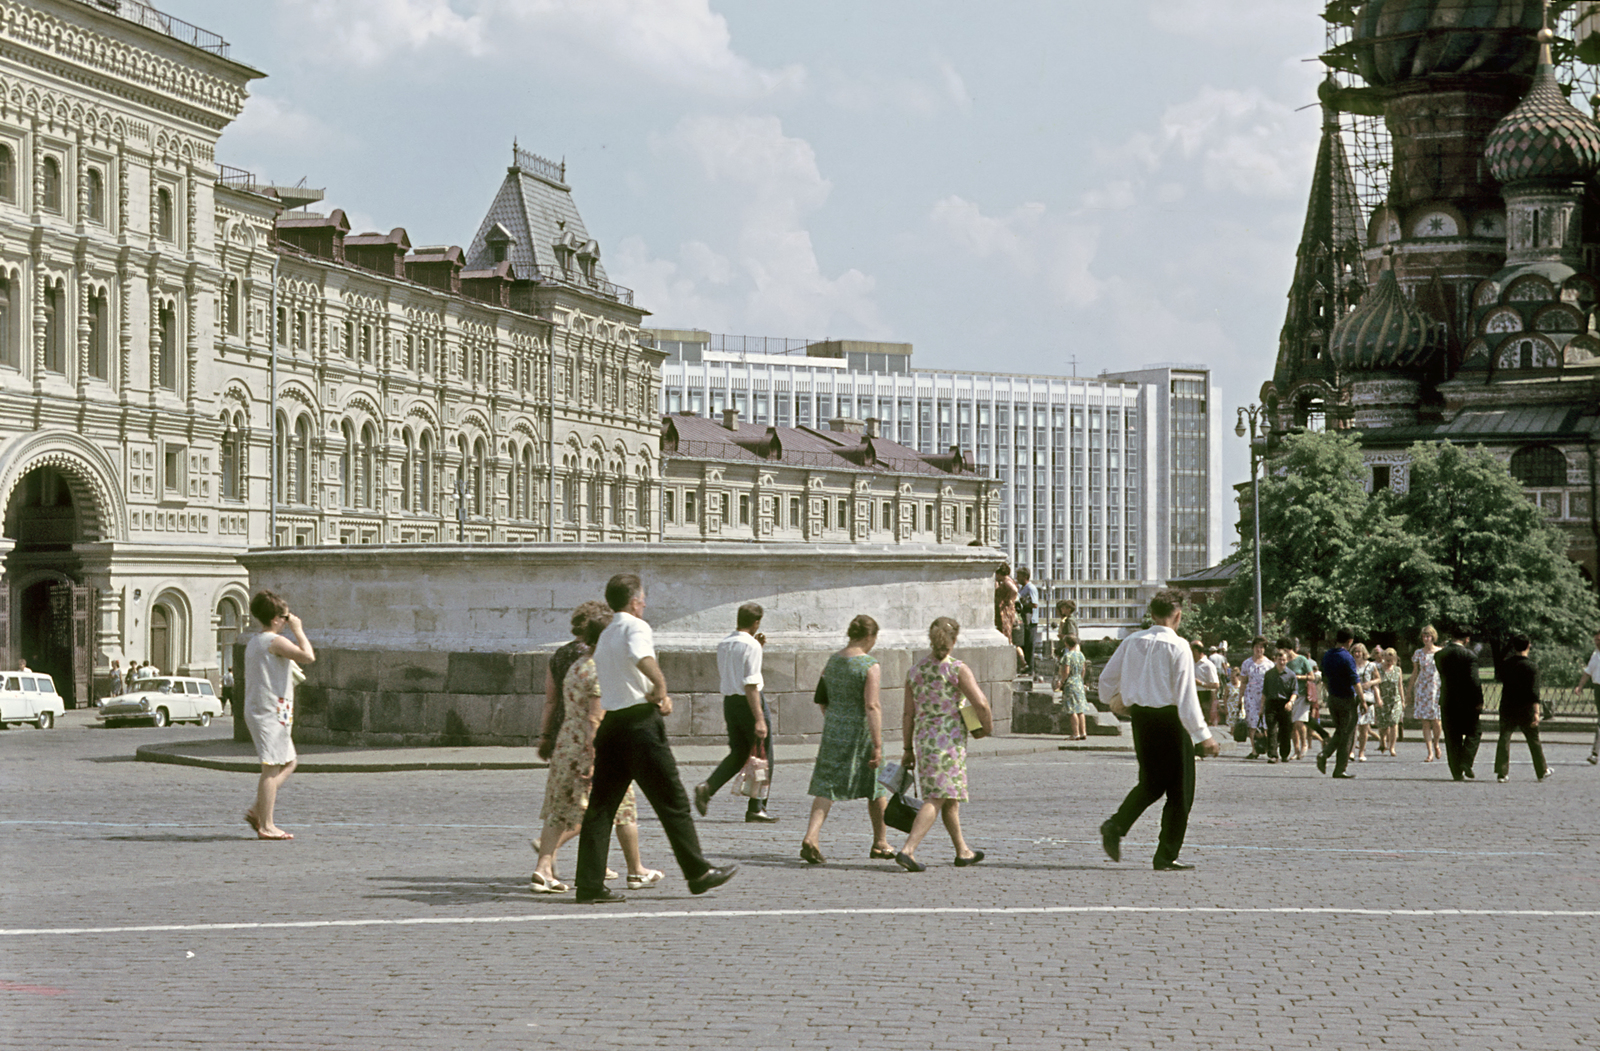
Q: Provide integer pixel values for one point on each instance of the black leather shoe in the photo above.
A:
(1322, 763)
(1345, 777)
(1470, 775)
(1174, 866)
(711, 879)
(702, 798)
(977, 856)
(760, 817)
(603, 896)
(1110, 842)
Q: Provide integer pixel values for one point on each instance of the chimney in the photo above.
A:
(730, 419)
(844, 425)
(873, 424)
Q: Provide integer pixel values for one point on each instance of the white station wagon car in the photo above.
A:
(163, 699)
(29, 697)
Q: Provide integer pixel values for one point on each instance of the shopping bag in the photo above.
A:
(754, 779)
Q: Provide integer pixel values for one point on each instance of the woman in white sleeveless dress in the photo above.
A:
(269, 678)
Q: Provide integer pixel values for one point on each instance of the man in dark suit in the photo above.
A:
(1460, 702)
(1519, 708)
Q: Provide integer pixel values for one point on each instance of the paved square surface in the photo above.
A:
(1399, 910)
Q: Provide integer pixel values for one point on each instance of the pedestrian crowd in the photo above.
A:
(606, 700)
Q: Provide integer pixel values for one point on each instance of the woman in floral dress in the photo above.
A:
(1069, 680)
(1391, 701)
(936, 741)
(1367, 677)
(1425, 693)
(566, 787)
(1252, 675)
(851, 749)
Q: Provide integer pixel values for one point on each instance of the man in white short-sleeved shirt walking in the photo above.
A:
(1153, 672)
(630, 746)
(744, 710)
(1591, 678)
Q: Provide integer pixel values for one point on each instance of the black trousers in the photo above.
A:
(1166, 768)
(1027, 629)
(1276, 724)
(1461, 738)
(1343, 710)
(1530, 733)
(741, 738)
(630, 746)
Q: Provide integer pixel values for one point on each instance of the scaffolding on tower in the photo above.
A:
(1576, 51)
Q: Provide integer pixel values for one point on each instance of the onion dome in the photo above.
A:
(1544, 137)
(1395, 41)
(1385, 331)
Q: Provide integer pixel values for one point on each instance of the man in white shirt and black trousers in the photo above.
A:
(743, 709)
(1154, 673)
(630, 745)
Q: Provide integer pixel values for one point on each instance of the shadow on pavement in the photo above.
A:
(179, 837)
(455, 890)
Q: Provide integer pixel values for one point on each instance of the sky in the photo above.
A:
(1044, 187)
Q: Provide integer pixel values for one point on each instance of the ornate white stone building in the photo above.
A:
(494, 394)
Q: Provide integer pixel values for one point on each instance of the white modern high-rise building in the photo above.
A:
(1111, 484)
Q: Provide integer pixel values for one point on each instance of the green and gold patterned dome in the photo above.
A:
(1544, 138)
(1385, 332)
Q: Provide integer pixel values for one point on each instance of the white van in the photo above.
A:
(29, 697)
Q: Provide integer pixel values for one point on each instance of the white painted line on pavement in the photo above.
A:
(681, 914)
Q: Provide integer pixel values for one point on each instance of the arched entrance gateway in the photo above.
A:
(48, 610)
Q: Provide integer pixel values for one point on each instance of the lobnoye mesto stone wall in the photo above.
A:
(448, 644)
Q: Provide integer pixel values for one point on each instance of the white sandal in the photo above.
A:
(542, 884)
(647, 878)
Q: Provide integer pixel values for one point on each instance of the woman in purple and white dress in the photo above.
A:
(1425, 693)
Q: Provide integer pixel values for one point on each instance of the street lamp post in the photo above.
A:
(1255, 414)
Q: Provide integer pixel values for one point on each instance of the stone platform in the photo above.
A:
(448, 645)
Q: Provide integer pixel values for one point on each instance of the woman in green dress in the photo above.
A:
(852, 740)
(1074, 699)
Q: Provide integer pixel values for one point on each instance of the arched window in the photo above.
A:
(369, 468)
(52, 184)
(228, 449)
(302, 460)
(347, 464)
(407, 471)
(280, 460)
(230, 306)
(425, 472)
(1539, 466)
(619, 499)
(97, 196)
(597, 497)
(166, 349)
(229, 621)
(55, 329)
(8, 345)
(8, 174)
(99, 337)
(164, 214)
(477, 477)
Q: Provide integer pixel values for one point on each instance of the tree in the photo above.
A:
(1494, 562)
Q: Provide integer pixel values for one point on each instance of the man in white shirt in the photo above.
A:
(1154, 673)
(1591, 678)
(630, 746)
(743, 709)
(1027, 614)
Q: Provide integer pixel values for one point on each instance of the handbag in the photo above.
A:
(1241, 730)
(754, 779)
(902, 811)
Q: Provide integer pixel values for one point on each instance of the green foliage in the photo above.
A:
(1464, 545)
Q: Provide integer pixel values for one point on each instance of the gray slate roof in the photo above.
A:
(537, 211)
(1514, 422)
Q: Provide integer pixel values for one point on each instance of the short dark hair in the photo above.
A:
(1344, 635)
(750, 614)
(1259, 640)
(1067, 606)
(1024, 572)
(620, 590)
(587, 612)
(1287, 644)
(1518, 641)
(1004, 570)
(1165, 603)
(266, 607)
(861, 627)
(596, 620)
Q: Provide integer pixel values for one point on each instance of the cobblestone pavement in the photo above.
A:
(1396, 910)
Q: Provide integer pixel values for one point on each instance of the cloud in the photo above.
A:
(939, 90)
(681, 43)
(1033, 242)
(1228, 21)
(763, 275)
